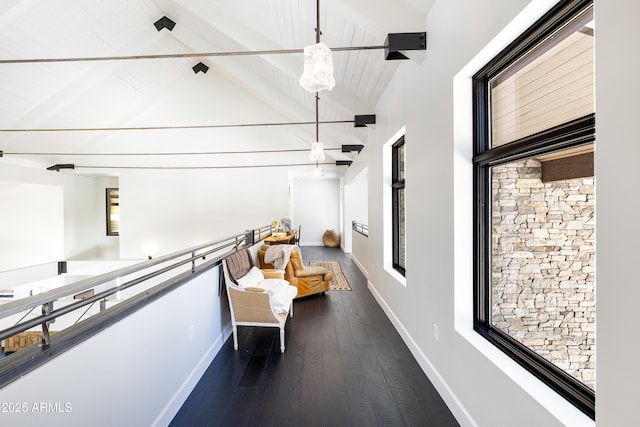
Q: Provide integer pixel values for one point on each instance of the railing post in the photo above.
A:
(193, 261)
(251, 237)
(62, 267)
(46, 309)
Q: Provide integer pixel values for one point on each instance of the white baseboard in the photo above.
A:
(311, 244)
(360, 266)
(454, 405)
(181, 395)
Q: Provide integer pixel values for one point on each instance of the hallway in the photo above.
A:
(344, 365)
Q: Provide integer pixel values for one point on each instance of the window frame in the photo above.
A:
(397, 184)
(109, 204)
(574, 133)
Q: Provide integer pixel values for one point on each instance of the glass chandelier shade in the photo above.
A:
(318, 68)
(317, 152)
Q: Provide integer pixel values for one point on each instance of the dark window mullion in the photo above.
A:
(482, 248)
(397, 184)
(567, 135)
(396, 229)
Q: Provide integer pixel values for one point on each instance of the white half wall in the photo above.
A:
(360, 252)
(137, 372)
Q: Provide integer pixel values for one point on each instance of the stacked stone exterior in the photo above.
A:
(543, 265)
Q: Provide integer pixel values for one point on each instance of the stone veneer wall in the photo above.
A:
(543, 283)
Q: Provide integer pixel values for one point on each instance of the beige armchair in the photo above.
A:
(308, 280)
(256, 298)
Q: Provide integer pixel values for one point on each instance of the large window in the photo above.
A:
(398, 203)
(534, 198)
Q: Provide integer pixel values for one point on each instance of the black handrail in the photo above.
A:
(27, 359)
(193, 254)
(360, 228)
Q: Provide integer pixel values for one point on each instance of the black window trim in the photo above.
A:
(575, 133)
(396, 184)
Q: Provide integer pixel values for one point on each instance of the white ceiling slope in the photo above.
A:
(68, 98)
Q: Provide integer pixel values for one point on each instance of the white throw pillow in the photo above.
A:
(251, 279)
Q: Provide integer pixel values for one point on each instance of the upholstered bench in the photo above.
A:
(256, 297)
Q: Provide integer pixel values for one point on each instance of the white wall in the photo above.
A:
(38, 207)
(359, 189)
(165, 211)
(481, 385)
(617, 178)
(360, 252)
(85, 218)
(316, 207)
(356, 206)
(51, 216)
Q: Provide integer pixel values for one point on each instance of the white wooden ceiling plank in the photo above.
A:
(289, 64)
(126, 27)
(363, 58)
(352, 57)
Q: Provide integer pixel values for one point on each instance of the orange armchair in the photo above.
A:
(308, 280)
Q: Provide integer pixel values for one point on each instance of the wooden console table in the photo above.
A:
(281, 239)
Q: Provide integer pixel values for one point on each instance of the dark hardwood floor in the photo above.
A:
(344, 365)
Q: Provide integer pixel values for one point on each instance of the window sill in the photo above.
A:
(557, 406)
(396, 275)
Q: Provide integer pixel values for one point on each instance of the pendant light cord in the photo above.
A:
(317, 41)
(318, 21)
(317, 121)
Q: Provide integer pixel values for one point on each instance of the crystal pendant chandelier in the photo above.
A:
(317, 152)
(318, 64)
(318, 68)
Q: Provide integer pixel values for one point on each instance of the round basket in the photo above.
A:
(331, 238)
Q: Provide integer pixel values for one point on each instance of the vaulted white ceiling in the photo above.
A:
(76, 100)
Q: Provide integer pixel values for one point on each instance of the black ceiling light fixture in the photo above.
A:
(344, 162)
(59, 166)
(164, 22)
(200, 67)
(349, 148)
(397, 44)
(361, 121)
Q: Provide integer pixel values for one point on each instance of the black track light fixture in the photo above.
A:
(164, 22)
(59, 166)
